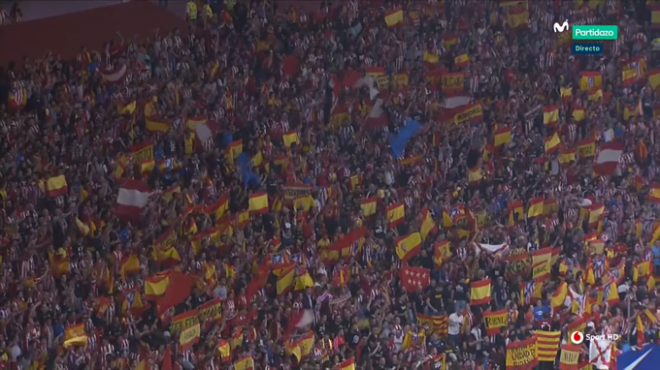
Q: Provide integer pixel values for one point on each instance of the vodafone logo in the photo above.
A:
(577, 337)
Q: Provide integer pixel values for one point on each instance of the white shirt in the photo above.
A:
(14, 352)
(455, 322)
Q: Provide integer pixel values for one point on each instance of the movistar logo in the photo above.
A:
(561, 28)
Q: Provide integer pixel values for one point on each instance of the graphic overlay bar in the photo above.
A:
(584, 48)
(595, 32)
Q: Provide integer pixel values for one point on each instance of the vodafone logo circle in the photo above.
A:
(577, 337)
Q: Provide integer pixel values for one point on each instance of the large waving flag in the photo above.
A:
(608, 158)
(132, 198)
(398, 141)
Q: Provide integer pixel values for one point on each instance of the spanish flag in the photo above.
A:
(355, 181)
(394, 17)
(60, 262)
(431, 58)
(517, 17)
(587, 148)
(566, 156)
(192, 122)
(218, 208)
(73, 331)
(130, 264)
(559, 296)
(535, 207)
(596, 212)
(553, 143)
(347, 365)
(189, 337)
(550, 115)
(304, 203)
(480, 292)
(428, 225)
(628, 77)
(76, 341)
(475, 175)
(83, 229)
(303, 280)
(590, 80)
(449, 40)
(167, 256)
(579, 113)
(654, 193)
(306, 344)
(56, 186)
(632, 111)
(154, 124)
(541, 264)
(595, 95)
(258, 203)
(516, 208)
(566, 93)
(129, 108)
(396, 213)
(225, 350)
(290, 138)
(441, 252)
(610, 293)
(369, 205)
(234, 149)
(408, 246)
(641, 270)
(168, 194)
(245, 363)
(156, 285)
(654, 77)
(461, 61)
(285, 281)
(502, 136)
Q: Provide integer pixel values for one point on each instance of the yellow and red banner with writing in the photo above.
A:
(522, 355)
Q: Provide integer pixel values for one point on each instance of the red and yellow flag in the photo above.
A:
(396, 213)
(502, 136)
(428, 225)
(394, 17)
(480, 292)
(189, 337)
(535, 207)
(245, 363)
(550, 115)
(369, 206)
(552, 143)
(56, 186)
(408, 246)
(258, 203)
(566, 156)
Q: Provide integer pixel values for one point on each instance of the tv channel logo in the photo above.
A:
(561, 27)
(595, 32)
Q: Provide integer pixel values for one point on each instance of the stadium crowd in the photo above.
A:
(378, 185)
